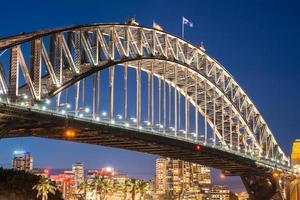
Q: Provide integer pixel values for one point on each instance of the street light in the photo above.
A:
(70, 133)
(104, 114)
(275, 174)
(222, 176)
(133, 119)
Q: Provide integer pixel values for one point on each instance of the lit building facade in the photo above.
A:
(219, 192)
(22, 161)
(40, 172)
(78, 172)
(296, 154)
(161, 175)
(176, 178)
(65, 183)
(243, 196)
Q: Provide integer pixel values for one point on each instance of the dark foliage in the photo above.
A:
(19, 184)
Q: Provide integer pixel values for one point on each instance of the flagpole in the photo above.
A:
(182, 29)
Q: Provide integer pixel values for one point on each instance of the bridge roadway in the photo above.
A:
(20, 121)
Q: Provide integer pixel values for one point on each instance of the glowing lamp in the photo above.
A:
(222, 176)
(18, 152)
(108, 169)
(275, 174)
(87, 110)
(70, 133)
(198, 147)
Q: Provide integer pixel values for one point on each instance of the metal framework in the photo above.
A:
(60, 58)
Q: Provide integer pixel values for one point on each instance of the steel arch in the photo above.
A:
(89, 48)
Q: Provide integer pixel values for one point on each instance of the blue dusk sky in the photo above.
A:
(258, 42)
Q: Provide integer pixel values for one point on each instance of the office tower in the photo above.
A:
(161, 175)
(78, 171)
(65, 183)
(22, 161)
(219, 192)
(175, 177)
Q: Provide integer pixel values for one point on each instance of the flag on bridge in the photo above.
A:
(185, 21)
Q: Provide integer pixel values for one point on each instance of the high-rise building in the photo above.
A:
(242, 196)
(219, 192)
(296, 154)
(22, 161)
(65, 183)
(176, 177)
(200, 174)
(161, 175)
(78, 171)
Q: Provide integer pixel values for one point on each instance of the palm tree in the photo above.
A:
(107, 188)
(134, 188)
(44, 186)
(143, 187)
(125, 187)
(84, 187)
(101, 185)
(118, 186)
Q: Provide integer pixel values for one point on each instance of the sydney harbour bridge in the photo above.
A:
(142, 89)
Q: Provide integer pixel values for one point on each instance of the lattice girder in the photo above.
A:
(76, 52)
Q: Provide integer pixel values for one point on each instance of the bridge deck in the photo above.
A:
(18, 122)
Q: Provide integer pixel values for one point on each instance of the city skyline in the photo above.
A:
(255, 46)
(173, 178)
(217, 178)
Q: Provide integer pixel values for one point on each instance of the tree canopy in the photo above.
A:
(18, 185)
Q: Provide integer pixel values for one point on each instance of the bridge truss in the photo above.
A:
(133, 77)
(54, 61)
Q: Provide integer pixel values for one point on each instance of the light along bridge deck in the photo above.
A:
(34, 121)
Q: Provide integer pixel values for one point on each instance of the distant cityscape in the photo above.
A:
(174, 179)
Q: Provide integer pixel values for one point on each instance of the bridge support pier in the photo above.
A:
(263, 188)
(293, 189)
